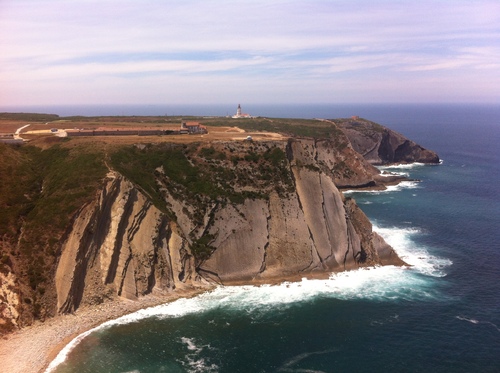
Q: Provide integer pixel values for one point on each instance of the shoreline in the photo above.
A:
(33, 348)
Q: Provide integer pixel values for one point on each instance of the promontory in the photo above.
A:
(97, 209)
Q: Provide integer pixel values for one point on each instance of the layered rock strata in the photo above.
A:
(122, 245)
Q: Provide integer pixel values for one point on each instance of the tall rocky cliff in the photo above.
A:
(171, 216)
(121, 244)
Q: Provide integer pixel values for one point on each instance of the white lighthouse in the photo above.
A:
(239, 114)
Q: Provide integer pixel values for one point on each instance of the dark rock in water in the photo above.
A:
(380, 145)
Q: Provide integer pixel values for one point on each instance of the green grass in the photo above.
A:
(292, 127)
(200, 176)
(30, 117)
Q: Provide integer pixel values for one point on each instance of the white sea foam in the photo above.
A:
(194, 363)
(418, 257)
(402, 185)
(401, 166)
(379, 283)
(463, 318)
(190, 344)
(387, 173)
(401, 169)
(389, 189)
(61, 357)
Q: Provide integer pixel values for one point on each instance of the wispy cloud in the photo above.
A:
(320, 48)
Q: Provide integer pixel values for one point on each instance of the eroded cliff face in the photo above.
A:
(194, 215)
(120, 245)
(312, 229)
(380, 145)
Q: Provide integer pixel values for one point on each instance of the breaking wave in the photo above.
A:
(418, 257)
(389, 189)
(404, 166)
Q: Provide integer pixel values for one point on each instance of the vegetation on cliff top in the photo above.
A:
(293, 127)
(200, 175)
(39, 193)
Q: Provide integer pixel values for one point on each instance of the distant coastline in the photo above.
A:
(380, 113)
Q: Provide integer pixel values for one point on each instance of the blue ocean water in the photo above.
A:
(440, 315)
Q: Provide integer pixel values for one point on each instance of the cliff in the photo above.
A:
(380, 145)
(84, 224)
(121, 244)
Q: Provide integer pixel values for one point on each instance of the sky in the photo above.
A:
(85, 52)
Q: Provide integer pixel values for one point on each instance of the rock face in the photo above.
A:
(122, 245)
(312, 229)
(380, 145)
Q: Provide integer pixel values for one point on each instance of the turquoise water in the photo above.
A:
(440, 315)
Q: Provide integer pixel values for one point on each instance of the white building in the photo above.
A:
(239, 114)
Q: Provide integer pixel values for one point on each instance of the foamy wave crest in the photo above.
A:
(402, 185)
(401, 166)
(389, 189)
(194, 363)
(388, 282)
(418, 257)
(61, 357)
(474, 321)
(463, 318)
(179, 308)
(386, 173)
(380, 283)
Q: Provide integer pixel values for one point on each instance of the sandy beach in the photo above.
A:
(31, 349)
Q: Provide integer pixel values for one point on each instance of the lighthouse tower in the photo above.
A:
(239, 114)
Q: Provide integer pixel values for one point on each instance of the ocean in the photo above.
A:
(442, 314)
